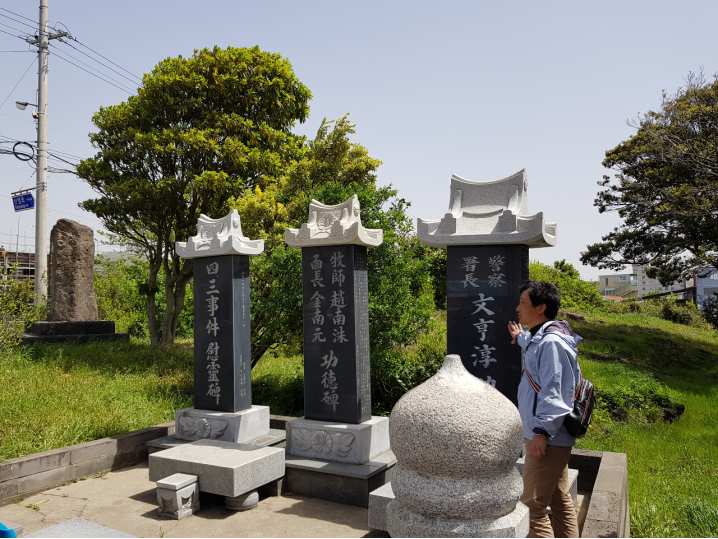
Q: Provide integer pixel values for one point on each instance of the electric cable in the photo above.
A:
(105, 58)
(17, 14)
(93, 74)
(96, 60)
(18, 82)
(88, 65)
(12, 28)
(33, 26)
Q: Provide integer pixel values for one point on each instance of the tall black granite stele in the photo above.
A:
(223, 407)
(487, 233)
(337, 423)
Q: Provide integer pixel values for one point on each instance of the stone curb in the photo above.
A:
(608, 514)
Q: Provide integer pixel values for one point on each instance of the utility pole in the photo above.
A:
(42, 42)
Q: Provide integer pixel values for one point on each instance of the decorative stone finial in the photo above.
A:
(456, 441)
(219, 237)
(333, 225)
(482, 213)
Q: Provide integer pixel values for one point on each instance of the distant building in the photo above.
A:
(23, 263)
(635, 284)
(705, 280)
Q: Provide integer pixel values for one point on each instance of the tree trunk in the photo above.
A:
(152, 304)
(175, 291)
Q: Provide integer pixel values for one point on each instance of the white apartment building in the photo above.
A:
(634, 284)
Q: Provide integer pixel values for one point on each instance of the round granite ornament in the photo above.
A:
(456, 441)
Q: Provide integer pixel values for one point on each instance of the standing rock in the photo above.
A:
(72, 256)
(456, 441)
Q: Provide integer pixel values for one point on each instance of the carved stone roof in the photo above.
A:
(333, 225)
(483, 213)
(219, 237)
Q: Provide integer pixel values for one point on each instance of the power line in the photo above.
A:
(105, 58)
(93, 74)
(96, 60)
(8, 33)
(12, 28)
(18, 82)
(33, 26)
(66, 213)
(18, 15)
(88, 65)
(50, 128)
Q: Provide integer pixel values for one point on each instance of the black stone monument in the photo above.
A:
(336, 334)
(482, 285)
(222, 334)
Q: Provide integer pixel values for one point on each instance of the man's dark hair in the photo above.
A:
(541, 293)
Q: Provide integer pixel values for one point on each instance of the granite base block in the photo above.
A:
(78, 527)
(239, 427)
(340, 442)
(223, 468)
(177, 496)
(404, 523)
(243, 502)
(345, 483)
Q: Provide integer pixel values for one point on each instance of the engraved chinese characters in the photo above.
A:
(336, 334)
(222, 369)
(482, 294)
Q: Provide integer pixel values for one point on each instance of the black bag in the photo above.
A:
(584, 401)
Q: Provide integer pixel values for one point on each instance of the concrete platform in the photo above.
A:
(338, 481)
(126, 501)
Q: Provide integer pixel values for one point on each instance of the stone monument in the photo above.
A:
(220, 446)
(72, 304)
(222, 335)
(487, 233)
(456, 440)
(337, 423)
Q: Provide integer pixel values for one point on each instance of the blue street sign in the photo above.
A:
(23, 202)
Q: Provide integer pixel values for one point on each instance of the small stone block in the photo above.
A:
(341, 442)
(240, 427)
(78, 527)
(223, 468)
(378, 500)
(176, 481)
(178, 502)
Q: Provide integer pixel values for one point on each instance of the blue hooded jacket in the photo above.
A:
(551, 360)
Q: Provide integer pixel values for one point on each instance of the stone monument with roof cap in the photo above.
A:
(223, 407)
(337, 423)
(487, 233)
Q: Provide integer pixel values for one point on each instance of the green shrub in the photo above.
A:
(575, 293)
(18, 310)
(710, 310)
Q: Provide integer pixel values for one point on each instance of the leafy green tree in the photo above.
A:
(575, 293)
(666, 188)
(18, 308)
(200, 131)
(332, 169)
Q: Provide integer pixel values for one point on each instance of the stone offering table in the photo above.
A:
(487, 233)
(337, 425)
(232, 470)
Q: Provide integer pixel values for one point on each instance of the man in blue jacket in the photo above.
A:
(550, 361)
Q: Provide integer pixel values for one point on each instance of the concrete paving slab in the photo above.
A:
(126, 501)
(78, 527)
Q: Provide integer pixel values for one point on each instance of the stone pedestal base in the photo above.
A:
(338, 482)
(239, 427)
(404, 523)
(340, 442)
(177, 496)
(243, 502)
(77, 331)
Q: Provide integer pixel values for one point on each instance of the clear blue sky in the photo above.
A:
(480, 89)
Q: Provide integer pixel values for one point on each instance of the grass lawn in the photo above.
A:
(58, 395)
(672, 467)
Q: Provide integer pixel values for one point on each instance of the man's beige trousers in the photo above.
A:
(546, 484)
